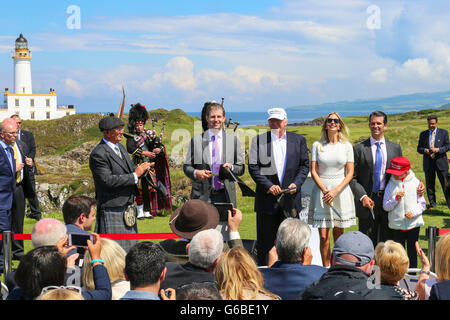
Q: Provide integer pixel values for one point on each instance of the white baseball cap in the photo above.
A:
(277, 113)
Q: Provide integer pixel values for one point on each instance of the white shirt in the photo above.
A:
(279, 154)
(383, 163)
(113, 147)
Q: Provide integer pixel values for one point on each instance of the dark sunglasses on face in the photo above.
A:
(329, 120)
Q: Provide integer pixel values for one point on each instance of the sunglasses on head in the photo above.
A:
(330, 120)
(49, 288)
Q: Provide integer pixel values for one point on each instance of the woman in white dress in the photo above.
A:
(332, 205)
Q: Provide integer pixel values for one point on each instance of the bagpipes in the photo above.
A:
(149, 138)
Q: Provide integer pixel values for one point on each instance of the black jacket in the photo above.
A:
(348, 281)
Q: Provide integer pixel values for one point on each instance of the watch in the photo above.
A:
(423, 271)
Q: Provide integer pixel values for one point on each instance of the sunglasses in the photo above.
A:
(72, 288)
(330, 120)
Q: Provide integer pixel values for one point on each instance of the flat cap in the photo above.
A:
(110, 122)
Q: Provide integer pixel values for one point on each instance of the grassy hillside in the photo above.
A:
(62, 135)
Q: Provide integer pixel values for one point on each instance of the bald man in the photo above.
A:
(8, 135)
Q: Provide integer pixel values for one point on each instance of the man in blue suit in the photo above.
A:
(8, 135)
(434, 144)
(278, 161)
(292, 270)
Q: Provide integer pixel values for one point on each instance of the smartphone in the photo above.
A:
(80, 239)
(223, 208)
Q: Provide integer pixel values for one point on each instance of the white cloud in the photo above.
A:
(180, 73)
(379, 75)
(73, 87)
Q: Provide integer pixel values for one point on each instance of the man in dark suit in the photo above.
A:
(372, 157)
(434, 144)
(8, 135)
(292, 270)
(115, 180)
(278, 160)
(28, 138)
(209, 151)
(23, 189)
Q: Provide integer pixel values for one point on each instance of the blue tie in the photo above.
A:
(11, 158)
(377, 172)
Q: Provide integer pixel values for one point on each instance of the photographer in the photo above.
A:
(48, 265)
(79, 216)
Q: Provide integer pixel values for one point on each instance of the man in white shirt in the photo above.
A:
(278, 161)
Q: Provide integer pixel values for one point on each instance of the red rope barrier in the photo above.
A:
(115, 236)
(443, 231)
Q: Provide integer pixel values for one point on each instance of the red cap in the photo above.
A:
(399, 165)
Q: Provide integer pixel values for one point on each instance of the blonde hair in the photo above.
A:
(60, 294)
(343, 134)
(393, 261)
(442, 258)
(114, 257)
(237, 274)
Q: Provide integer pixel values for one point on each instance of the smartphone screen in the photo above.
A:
(79, 240)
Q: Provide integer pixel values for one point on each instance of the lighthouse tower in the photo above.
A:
(22, 67)
(25, 103)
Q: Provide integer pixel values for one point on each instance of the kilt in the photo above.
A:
(110, 220)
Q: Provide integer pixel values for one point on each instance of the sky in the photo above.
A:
(256, 54)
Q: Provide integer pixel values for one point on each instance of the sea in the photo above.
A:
(294, 116)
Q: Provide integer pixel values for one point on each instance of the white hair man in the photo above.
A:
(290, 270)
(204, 252)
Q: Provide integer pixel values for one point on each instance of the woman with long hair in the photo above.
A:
(238, 277)
(332, 164)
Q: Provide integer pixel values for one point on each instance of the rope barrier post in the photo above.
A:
(7, 254)
(431, 233)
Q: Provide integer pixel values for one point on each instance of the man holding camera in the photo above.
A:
(209, 156)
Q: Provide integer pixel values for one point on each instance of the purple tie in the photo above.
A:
(217, 184)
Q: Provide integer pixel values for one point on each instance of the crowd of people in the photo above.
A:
(369, 184)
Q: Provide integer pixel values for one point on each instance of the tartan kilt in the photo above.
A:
(110, 220)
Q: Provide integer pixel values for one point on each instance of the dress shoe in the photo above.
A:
(140, 210)
(148, 215)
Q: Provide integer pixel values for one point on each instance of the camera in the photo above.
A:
(223, 208)
(79, 239)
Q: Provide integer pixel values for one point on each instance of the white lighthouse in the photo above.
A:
(22, 67)
(23, 102)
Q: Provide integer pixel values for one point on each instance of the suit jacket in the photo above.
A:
(7, 181)
(362, 182)
(113, 176)
(442, 142)
(440, 291)
(181, 274)
(289, 279)
(198, 157)
(263, 171)
(28, 138)
(28, 180)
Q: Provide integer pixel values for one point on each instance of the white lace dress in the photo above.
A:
(331, 161)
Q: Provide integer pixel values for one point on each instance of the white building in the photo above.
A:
(23, 102)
